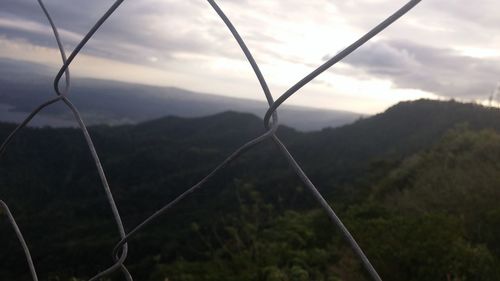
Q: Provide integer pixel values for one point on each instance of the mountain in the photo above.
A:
(23, 86)
(255, 221)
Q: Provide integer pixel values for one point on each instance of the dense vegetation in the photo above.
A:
(417, 185)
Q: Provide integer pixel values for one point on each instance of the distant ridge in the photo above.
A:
(23, 86)
(402, 129)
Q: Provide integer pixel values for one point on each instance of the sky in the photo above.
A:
(442, 49)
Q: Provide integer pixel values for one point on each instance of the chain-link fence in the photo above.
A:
(270, 124)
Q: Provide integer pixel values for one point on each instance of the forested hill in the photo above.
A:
(254, 221)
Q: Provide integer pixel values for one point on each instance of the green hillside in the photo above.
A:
(417, 185)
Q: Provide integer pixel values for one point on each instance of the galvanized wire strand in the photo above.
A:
(344, 53)
(332, 215)
(20, 237)
(59, 45)
(49, 102)
(195, 187)
(25, 122)
(249, 57)
(62, 96)
(329, 211)
(104, 182)
(84, 41)
(77, 116)
(317, 195)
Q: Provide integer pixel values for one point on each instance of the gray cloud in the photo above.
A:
(438, 23)
(137, 31)
(441, 71)
(152, 28)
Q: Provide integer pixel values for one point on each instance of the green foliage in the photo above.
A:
(421, 199)
(422, 247)
(257, 244)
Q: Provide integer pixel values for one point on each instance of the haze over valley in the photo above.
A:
(23, 86)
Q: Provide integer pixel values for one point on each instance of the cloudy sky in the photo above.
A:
(441, 49)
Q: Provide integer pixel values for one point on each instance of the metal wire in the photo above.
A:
(340, 56)
(65, 70)
(270, 124)
(20, 237)
(61, 95)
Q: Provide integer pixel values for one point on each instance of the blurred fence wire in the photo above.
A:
(270, 124)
